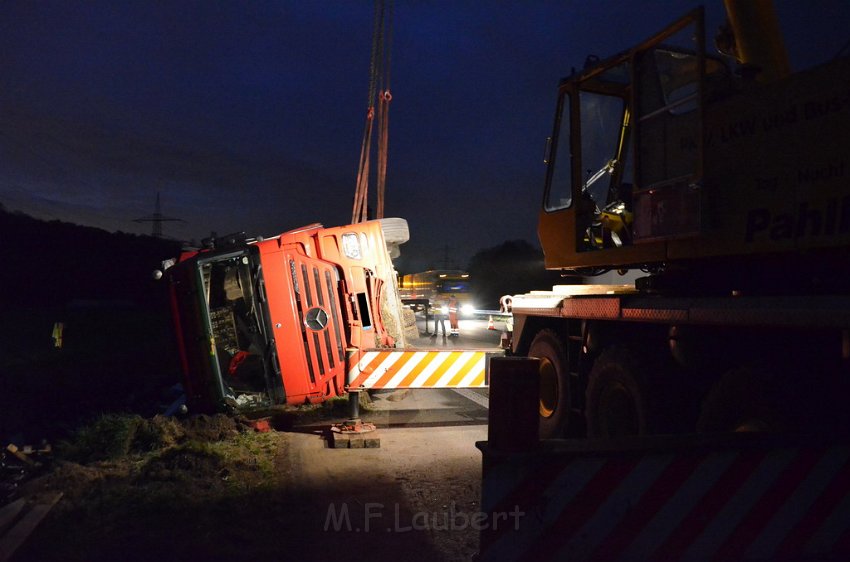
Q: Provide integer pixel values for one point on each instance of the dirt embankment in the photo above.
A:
(213, 488)
(143, 489)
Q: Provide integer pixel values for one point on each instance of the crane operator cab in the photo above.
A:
(624, 162)
(662, 159)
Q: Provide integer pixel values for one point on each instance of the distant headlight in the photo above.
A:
(467, 309)
(444, 309)
(351, 246)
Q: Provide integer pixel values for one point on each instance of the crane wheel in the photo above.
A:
(554, 383)
(616, 400)
(743, 399)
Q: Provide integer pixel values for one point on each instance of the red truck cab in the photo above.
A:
(271, 321)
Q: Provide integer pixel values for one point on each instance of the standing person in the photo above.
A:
(453, 310)
(439, 319)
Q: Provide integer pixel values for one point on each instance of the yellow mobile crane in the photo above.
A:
(715, 386)
(729, 188)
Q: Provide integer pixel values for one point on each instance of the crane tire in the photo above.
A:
(743, 399)
(616, 400)
(554, 403)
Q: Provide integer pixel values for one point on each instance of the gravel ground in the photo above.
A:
(283, 495)
(415, 493)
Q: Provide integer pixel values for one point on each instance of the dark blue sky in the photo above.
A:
(248, 115)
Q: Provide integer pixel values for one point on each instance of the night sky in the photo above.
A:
(249, 115)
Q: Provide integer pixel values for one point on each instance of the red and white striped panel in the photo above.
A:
(768, 504)
(418, 369)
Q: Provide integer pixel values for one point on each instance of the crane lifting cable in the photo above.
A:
(377, 116)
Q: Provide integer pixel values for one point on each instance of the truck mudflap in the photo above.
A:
(695, 497)
(391, 369)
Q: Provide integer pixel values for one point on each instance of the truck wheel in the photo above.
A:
(395, 230)
(409, 321)
(616, 402)
(743, 399)
(554, 383)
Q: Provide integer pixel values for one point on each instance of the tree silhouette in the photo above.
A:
(50, 263)
(514, 266)
(118, 351)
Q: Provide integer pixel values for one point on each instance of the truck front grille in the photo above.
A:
(323, 348)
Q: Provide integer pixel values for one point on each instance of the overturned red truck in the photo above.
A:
(264, 321)
(301, 317)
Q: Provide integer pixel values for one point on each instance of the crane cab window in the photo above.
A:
(601, 123)
(559, 194)
(589, 166)
(600, 149)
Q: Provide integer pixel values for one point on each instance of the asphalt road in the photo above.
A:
(474, 334)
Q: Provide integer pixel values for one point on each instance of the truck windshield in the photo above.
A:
(235, 325)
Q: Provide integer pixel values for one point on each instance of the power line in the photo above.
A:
(156, 219)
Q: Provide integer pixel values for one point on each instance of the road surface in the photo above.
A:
(474, 334)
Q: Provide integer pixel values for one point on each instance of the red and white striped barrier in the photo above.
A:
(737, 497)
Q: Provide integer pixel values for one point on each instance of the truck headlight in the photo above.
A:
(467, 309)
(351, 246)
